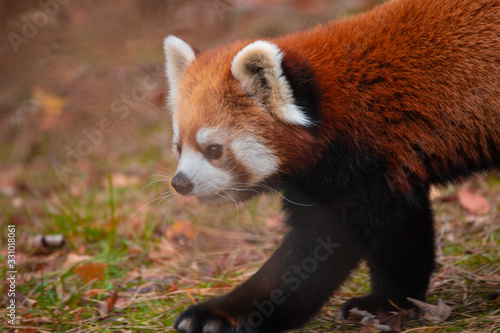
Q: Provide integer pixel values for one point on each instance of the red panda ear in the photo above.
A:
(178, 55)
(258, 68)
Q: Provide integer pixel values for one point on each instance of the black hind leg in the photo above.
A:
(400, 256)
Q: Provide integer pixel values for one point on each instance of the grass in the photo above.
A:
(156, 278)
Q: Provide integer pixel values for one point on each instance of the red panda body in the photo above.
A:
(415, 81)
(353, 121)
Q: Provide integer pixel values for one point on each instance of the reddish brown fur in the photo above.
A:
(451, 93)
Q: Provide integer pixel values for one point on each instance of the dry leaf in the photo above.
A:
(134, 250)
(8, 186)
(181, 232)
(91, 292)
(74, 259)
(91, 271)
(394, 321)
(124, 180)
(122, 303)
(373, 324)
(474, 202)
(434, 313)
(109, 303)
(368, 328)
(51, 105)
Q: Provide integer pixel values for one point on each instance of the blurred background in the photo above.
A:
(83, 89)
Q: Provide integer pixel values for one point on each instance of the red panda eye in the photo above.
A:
(214, 152)
(179, 148)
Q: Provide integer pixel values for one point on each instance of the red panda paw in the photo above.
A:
(207, 318)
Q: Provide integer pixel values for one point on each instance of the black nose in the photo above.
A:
(182, 184)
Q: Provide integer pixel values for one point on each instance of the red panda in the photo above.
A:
(352, 122)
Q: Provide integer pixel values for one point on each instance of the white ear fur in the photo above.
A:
(178, 55)
(258, 69)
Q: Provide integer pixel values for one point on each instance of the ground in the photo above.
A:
(100, 243)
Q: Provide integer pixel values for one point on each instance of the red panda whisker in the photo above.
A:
(170, 199)
(151, 104)
(285, 198)
(166, 179)
(160, 176)
(174, 200)
(169, 171)
(235, 204)
(266, 187)
(164, 198)
(161, 197)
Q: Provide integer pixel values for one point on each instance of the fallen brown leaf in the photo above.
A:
(124, 180)
(109, 303)
(371, 323)
(91, 292)
(434, 313)
(394, 321)
(51, 105)
(91, 271)
(474, 203)
(72, 259)
(368, 328)
(181, 232)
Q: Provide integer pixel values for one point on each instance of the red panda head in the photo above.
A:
(235, 120)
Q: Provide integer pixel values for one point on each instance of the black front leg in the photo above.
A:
(399, 253)
(313, 260)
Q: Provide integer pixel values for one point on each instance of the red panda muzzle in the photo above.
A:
(182, 184)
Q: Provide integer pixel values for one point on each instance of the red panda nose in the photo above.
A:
(182, 184)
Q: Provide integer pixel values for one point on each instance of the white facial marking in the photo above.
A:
(178, 55)
(210, 135)
(175, 138)
(207, 179)
(175, 129)
(201, 136)
(259, 159)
